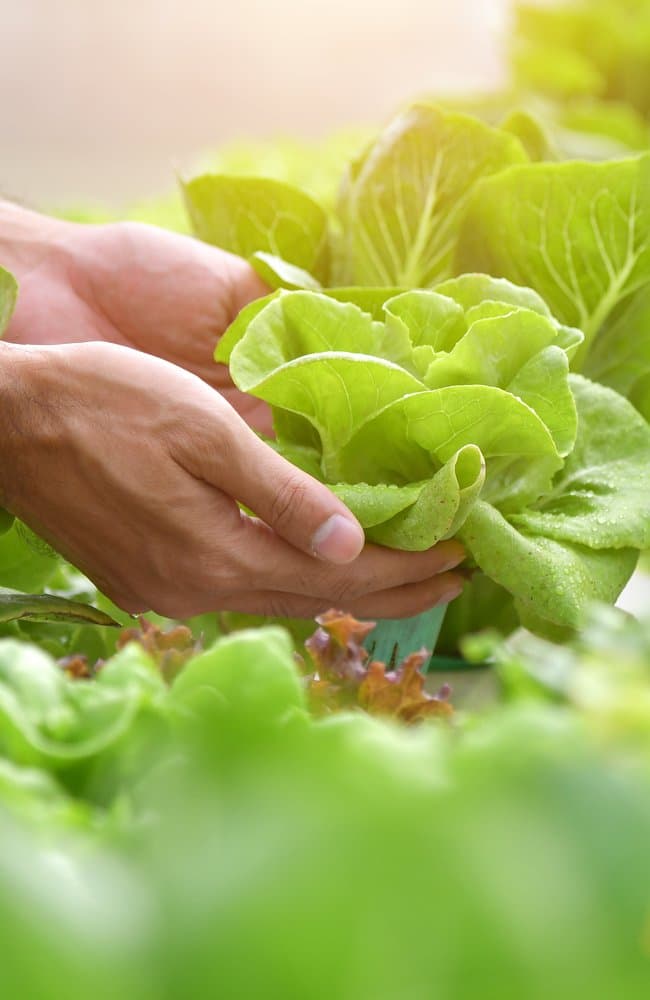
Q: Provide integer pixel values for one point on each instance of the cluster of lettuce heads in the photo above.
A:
(460, 348)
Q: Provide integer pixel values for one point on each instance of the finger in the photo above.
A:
(245, 283)
(304, 512)
(399, 602)
(277, 567)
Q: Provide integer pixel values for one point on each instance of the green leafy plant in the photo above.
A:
(156, 863)
(587, 47)
(456, 415)
(440, 194)
(579, 234)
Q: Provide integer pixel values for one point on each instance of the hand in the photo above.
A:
(132, 468)
(134, 285)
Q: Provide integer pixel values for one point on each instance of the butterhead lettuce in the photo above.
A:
(455, 414)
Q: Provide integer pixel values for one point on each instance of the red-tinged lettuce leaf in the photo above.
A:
(400, 693)
(342, 677)
(169, 648)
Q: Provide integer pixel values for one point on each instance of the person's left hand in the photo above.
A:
(142, 287)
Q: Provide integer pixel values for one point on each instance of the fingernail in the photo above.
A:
(451, 593)
(338, 540)
(454, 559)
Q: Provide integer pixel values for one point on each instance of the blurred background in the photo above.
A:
(101, 101)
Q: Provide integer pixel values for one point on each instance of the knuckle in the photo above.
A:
(353, 585)
(288, 606)
(213, 572)
(346, 589)
(280, 606)
(288, 501)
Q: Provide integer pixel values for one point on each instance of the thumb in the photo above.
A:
(299, 508)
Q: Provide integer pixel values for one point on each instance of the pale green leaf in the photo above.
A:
(532, 135)
(555, 581)
(247, 215)
(578, 233)
(8, 296)
(601, 498)
(621, 354)
(279, 273)
(369, 300)
(417, 516)
(296, 324)
(405, 198)
(431, 320)
(238, 327)
(493, 349)
(27, 563)
(428, 428)
(543, 385)
(471, 290)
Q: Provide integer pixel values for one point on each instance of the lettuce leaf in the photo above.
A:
(48, 719)
(585, 48)
(579, 234)
(404, 198)
(247, 215)
(8, 296)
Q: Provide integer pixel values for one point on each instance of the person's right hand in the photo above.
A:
(132, 469)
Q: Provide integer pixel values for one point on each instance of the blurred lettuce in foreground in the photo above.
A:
(264, 853)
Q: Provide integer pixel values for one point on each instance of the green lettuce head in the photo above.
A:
(453, 413)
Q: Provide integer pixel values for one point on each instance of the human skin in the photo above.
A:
(128, 449)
